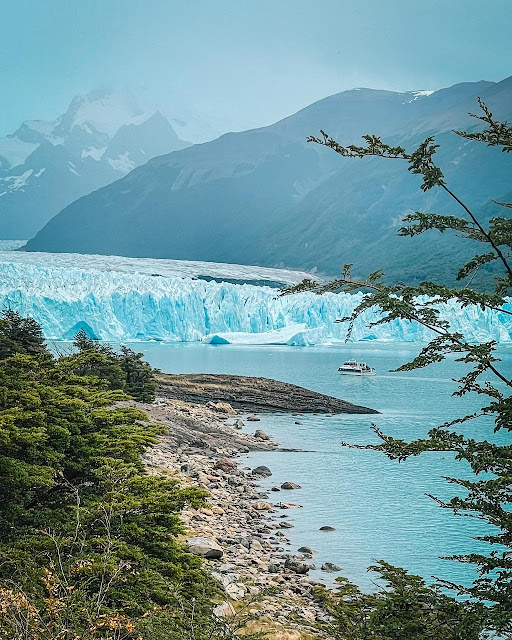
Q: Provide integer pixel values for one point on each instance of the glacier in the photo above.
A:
(129, 303)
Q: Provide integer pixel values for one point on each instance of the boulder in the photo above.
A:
(263, 506)
(222, 407)
(327, 528)
(290, 485)
(289, 505)
(330, 567)
(252, 419)
(261, 472)
(235, 591)
(295, 565)
(238, 424)
(205, 547)
(224, 610)
(259, 434)
(226, 465)
(307, 550)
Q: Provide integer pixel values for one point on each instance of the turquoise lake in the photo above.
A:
(378, 507)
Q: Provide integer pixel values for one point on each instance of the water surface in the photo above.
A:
(378, 507)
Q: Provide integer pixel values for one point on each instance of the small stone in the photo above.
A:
(327, 528)
(218, 511)
(285, 525)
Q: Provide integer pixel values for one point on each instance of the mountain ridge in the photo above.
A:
(265, 196)
(45, 165)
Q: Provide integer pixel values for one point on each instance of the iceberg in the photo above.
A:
(127, 306)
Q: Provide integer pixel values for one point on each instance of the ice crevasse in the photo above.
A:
(117, 306)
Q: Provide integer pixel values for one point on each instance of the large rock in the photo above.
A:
(261, 435)
(307, 550)
(226, 465)
(290, 485)
(295, 565)
(222, 407)
(263, 506)
(327, 528)
(330, 567)
(205, 547)
(224, 610)
(261, 472)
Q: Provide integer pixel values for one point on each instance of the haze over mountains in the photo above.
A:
(46, 165)
(267, 197)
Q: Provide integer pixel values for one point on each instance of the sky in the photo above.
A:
(241, 63)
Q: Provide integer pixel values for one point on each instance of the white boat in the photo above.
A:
(354, 368)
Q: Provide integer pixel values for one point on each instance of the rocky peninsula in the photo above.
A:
(241, 533)
(251, 394)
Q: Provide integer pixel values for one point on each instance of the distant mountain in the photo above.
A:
(46, 165)
(267, 197)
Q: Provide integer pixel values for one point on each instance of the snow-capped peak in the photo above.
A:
(416, 95)
(106, 111)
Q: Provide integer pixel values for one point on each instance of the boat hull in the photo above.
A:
(357, 373)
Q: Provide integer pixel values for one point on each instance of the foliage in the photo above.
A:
(140, 377)
(406, 609)
(125, 371)
(19, 335)
(488, 496)
(89, 542)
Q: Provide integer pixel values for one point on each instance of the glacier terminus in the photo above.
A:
(137, 299)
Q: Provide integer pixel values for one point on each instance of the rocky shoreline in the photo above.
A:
(251, 394)
(241, 533)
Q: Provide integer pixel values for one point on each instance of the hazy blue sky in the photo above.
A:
(246, 61)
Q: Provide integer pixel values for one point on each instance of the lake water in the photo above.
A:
(378, 507)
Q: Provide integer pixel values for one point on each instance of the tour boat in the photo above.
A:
(354, 368)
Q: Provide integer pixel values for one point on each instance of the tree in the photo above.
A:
(19, 334)
(489, 495)
(406, 609)
(125, 370)
(140, 376)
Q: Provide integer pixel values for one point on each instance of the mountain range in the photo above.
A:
(46, 165)
(267, 197)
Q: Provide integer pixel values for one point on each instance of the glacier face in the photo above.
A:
(122, 306)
